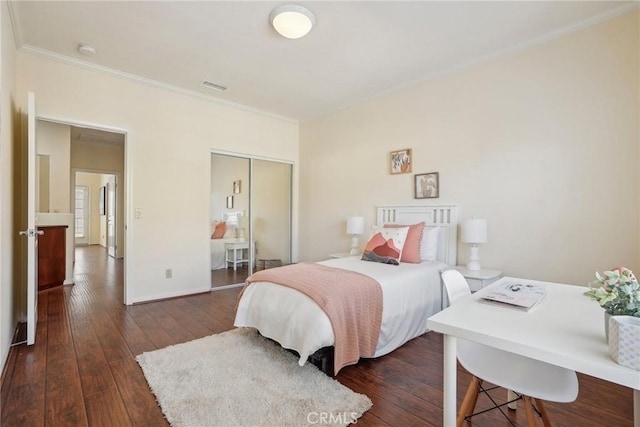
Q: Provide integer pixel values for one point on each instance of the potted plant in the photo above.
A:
(618, 292)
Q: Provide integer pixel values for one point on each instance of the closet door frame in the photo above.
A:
(249, 187)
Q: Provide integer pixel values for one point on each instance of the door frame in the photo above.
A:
(126, 185)
(112, 208)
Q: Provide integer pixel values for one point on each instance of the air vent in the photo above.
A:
(215, 86)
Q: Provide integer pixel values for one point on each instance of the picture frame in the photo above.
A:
(229, 202)
(400, 161)
(427, 185)
(102, 197)
(236, 187)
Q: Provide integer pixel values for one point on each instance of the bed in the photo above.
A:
(410, 292)
(218, 250)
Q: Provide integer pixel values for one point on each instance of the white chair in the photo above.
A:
(529, 378)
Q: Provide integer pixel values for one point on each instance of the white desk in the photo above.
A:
(565, 329)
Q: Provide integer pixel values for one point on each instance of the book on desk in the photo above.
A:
(524, 296)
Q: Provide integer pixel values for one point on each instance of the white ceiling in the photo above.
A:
(357, 50)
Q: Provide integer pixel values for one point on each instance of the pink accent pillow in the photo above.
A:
(219, 231)
(411, 250)
(386, 245)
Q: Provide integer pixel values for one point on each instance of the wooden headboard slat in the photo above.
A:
(443, 216)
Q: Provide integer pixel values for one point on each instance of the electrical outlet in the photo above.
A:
(168, 273)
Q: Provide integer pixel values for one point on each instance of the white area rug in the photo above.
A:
(239, 378)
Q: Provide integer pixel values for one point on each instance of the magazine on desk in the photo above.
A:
(520, 295)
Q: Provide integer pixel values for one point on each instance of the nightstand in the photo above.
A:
(237, 253)
(340, 255)
(478, 279)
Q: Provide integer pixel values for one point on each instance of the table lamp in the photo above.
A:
(355, 227)
(474, 231)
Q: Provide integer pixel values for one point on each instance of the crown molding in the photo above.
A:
(32, 50)
(15, 28)
(552, 35)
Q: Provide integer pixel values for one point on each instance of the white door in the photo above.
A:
(31, 232)
(111, 216)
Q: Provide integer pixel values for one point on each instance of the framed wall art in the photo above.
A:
(427, 185)
(400, 161)
(236, 187)
(229, 202)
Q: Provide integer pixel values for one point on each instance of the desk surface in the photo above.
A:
(566, 329)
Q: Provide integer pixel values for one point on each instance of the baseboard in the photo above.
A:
(168, 296)
(223, 287)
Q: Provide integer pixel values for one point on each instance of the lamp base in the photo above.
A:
(474, 258)
(354, 245)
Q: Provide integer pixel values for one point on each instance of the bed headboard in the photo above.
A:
(232, 218)
(444, 216)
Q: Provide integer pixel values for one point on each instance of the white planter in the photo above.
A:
(624, 341)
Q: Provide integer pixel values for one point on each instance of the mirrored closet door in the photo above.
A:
(250, 217)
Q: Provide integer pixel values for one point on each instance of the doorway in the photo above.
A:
(84, 168)
(95, 210)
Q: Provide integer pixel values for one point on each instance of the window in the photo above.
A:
(81, 203)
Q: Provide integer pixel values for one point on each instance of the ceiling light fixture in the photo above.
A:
(87, 50)
(292, 21)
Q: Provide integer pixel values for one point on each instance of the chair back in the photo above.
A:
(455, 284)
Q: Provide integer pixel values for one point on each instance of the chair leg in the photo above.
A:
(472, 405)
(470, 398)
(528, 407)
(543, 413)
(512, 396)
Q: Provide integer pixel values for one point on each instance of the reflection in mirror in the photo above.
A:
(230, 257)
(256, 232)
(271, 212)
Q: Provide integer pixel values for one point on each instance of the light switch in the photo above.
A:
(138, 213)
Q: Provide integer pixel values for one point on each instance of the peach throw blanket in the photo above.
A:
(351, 300)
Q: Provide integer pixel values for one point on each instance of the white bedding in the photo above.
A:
(410, 294)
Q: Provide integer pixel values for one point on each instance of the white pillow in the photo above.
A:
(429, 243)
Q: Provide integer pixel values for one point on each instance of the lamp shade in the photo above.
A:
(292, 21)
(355, 225)
(474, 230)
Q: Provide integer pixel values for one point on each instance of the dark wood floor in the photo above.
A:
(82, 370)
(228, 276)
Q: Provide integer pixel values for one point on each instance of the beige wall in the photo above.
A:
(271, 187)
(543, 143)
(54, 141)
(169, 139)
(10, 295)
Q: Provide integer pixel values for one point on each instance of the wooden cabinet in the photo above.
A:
(51, 256)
